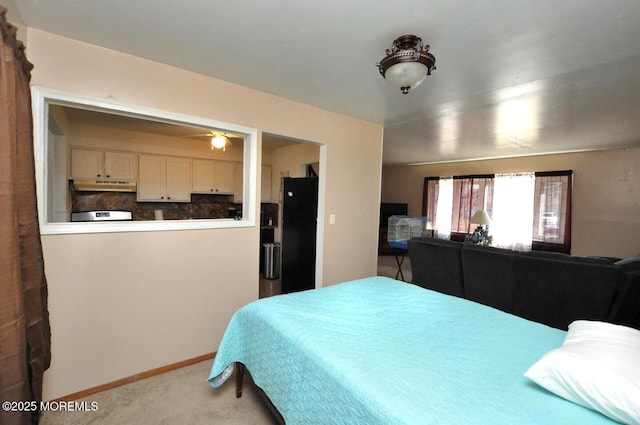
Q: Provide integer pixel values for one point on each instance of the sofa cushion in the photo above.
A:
(488, 276)
(437, 264)
(558, 292)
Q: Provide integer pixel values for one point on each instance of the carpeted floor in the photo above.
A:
(178, 397)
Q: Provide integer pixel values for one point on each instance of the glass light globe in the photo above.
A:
(406, 75)
(218, 142)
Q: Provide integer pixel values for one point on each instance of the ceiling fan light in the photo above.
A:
(219, 141)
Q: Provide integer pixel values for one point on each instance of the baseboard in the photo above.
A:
(136, 377)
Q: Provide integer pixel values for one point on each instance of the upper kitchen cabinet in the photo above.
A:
(97, 164)
(224, 177)
(164, 179)
(215, 177)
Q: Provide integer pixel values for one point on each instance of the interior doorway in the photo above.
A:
(285, 158)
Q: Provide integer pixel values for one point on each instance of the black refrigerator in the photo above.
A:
(299, 223)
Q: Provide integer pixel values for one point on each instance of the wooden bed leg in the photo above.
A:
(239, 370)
(239, 378)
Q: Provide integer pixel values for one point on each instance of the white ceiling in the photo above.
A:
(514, 77)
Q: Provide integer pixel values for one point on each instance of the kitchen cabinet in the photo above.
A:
(213, 177)
(164, 179)
(224, 177)
(97, 164)
(178, 179)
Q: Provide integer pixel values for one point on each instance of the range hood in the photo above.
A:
(105, 185)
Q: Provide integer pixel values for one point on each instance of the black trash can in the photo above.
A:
(271, 260)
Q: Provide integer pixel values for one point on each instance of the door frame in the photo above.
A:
(322, 189)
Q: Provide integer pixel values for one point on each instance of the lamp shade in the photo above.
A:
(480, 217)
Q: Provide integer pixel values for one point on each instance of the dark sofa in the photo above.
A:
(550, 288)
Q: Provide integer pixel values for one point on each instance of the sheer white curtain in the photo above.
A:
(511, 225)
(442, 222)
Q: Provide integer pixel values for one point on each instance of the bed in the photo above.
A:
(381, 351)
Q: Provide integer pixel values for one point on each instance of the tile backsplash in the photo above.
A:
(201, 206)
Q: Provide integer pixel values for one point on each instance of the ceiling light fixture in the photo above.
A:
(408, 62)
(219, 141)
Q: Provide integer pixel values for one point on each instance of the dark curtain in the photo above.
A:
(24, 321)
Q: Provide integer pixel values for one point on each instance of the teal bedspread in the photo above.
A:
(380, 351)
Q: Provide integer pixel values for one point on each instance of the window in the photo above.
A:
(552, 212)
(470, 194)
(451, 202)
(513, 211)
(52, 152)
(513, 201)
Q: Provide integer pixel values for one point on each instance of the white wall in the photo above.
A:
(606, 199)
(123, 303)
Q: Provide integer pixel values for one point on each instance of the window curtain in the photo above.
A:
(24, 320)
(430, 200)
(442, 222)
(513, 211)
(470, 194)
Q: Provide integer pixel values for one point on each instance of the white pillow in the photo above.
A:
(597, 366)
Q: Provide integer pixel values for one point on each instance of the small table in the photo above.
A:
(400, 250)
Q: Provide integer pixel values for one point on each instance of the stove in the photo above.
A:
(101, 216)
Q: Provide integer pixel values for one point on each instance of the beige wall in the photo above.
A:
(606, 193)
(123, 303)
(290, 161)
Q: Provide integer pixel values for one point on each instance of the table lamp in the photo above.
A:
(480, 236)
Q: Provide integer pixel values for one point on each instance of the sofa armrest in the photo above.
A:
(626, 306)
